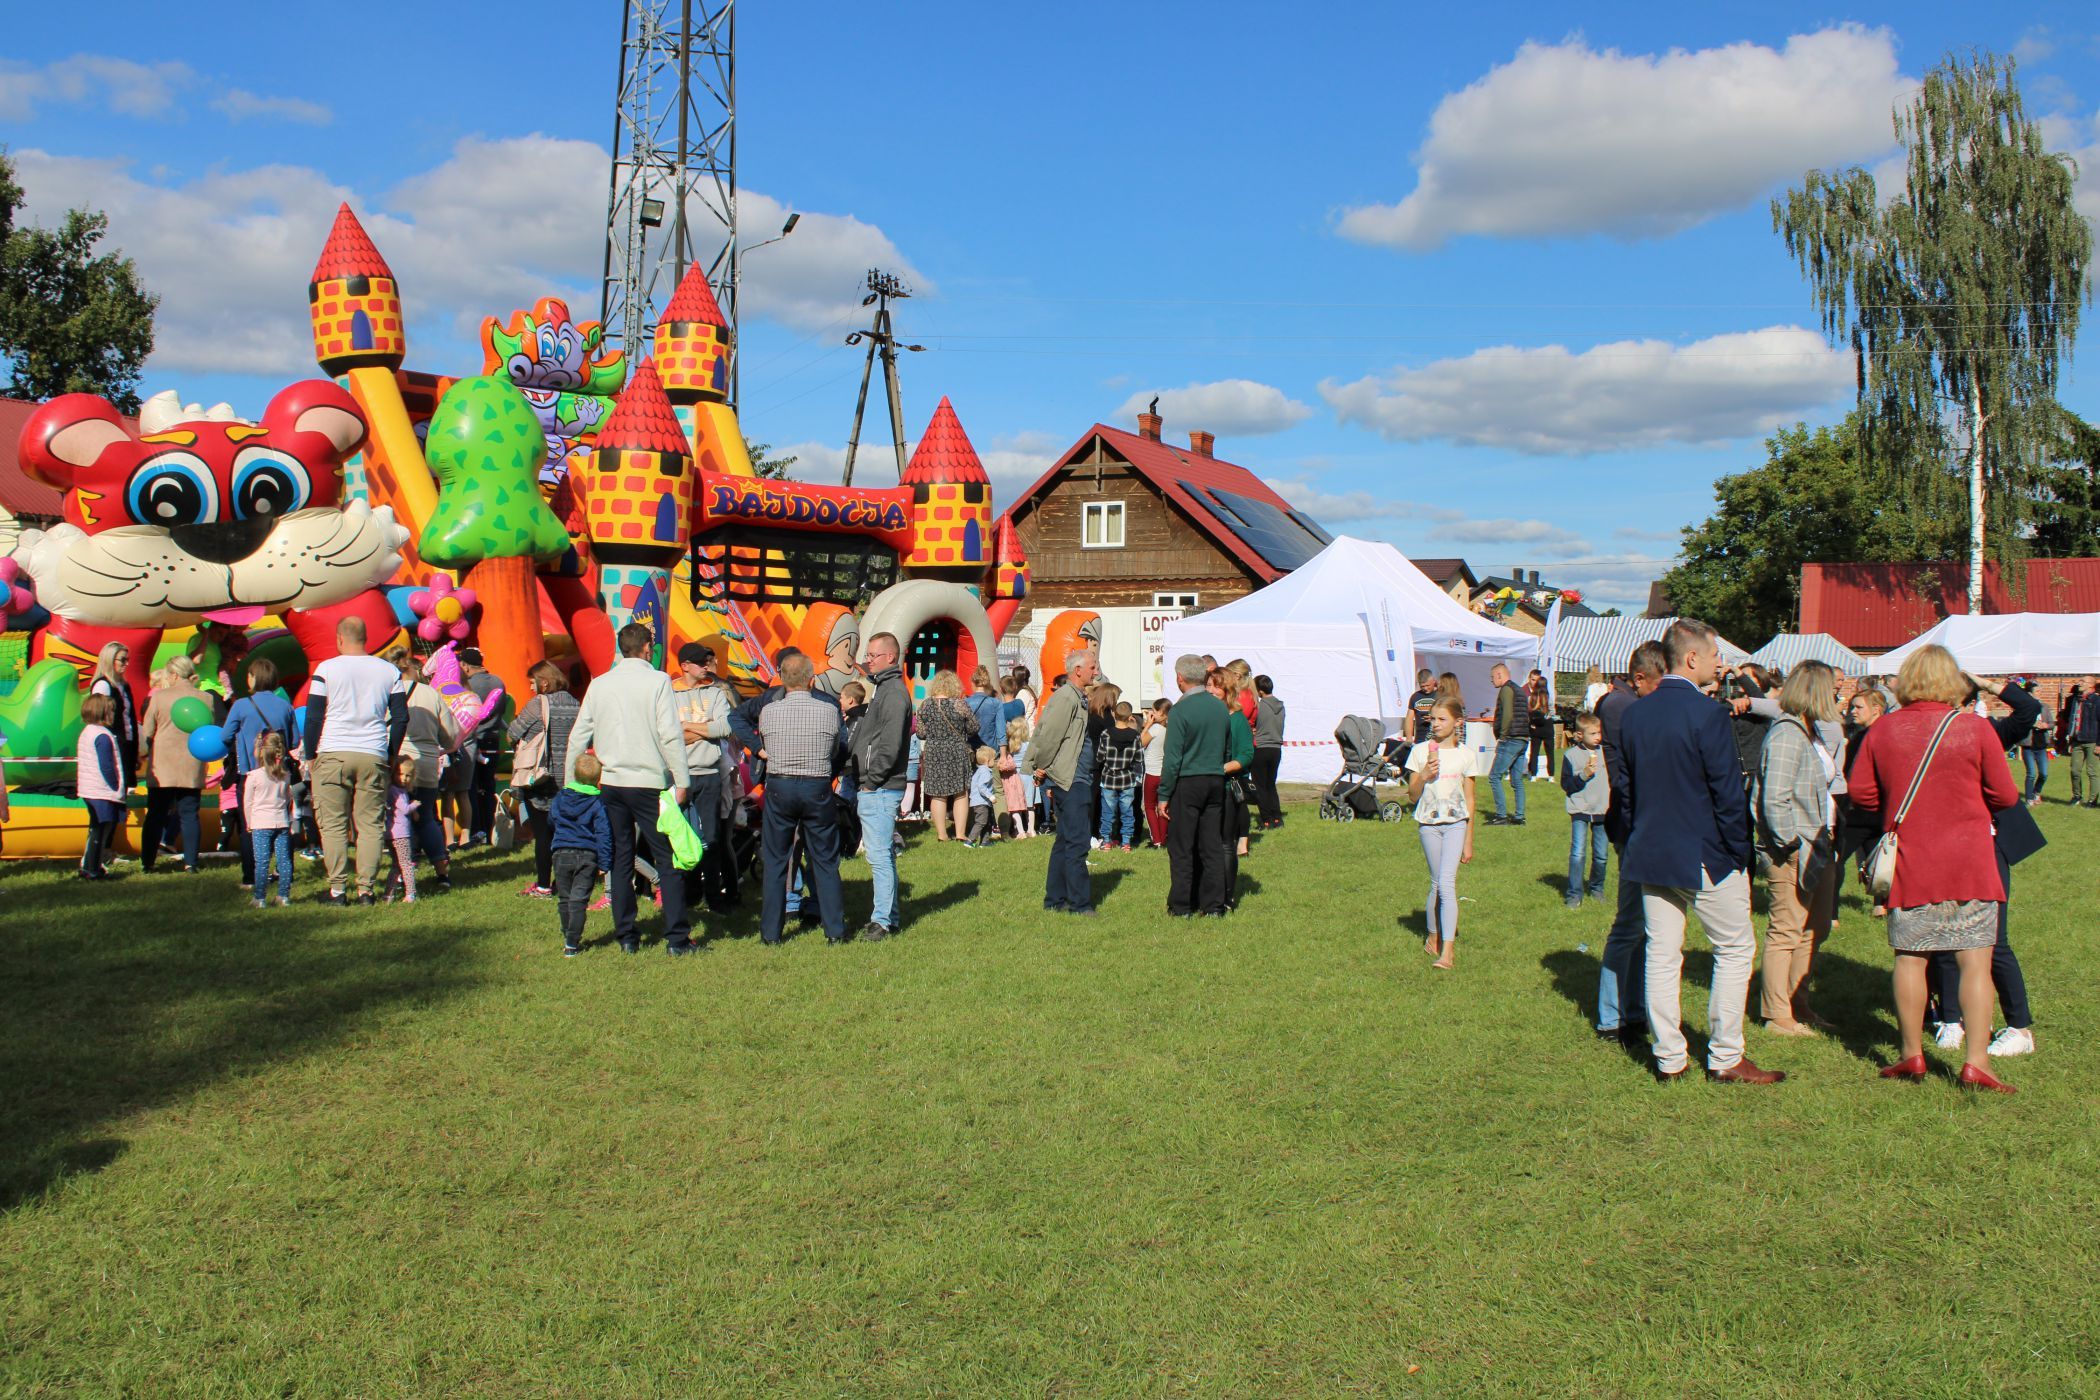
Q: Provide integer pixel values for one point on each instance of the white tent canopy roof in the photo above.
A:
(1788, 650)
(1606, 642)
(2004, 644)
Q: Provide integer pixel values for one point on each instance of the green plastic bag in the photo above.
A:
(686, 848)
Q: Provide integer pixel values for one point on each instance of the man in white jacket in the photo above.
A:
(629, 718)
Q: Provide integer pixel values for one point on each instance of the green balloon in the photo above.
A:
(190, 714)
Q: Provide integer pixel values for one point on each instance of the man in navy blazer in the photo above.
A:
(1689, 847)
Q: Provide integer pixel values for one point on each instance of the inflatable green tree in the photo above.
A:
(485, 447)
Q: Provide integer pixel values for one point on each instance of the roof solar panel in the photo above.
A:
(1283, 541)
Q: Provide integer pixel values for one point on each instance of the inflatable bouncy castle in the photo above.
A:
(529, 510)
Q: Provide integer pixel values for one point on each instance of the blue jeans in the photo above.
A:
(429, 830)
(2037, 771)
(264, 845)
(1586, 831)
(878, 832)
(1509, 763)
(1622, 983)
(1115, 802)
(1065, 884)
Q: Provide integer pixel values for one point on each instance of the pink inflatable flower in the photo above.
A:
(443, 611)
(16, 596)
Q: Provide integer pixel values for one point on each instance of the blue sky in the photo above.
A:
(1466, 277)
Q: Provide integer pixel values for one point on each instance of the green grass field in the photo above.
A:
(416, 1152)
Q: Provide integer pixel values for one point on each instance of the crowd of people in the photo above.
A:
(1693, 778)
(1703, 778)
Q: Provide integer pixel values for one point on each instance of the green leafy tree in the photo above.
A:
(71, 321)
(1818, 497)
(765, 463)
(1961, 293)
(2064, 509)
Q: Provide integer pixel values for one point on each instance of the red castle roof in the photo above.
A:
(1006, 543)
(944, 455)
(642, 419)
(349, 251)
(694, 300)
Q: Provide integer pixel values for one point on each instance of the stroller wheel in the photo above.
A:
(1327, 809)
(1392, 812)
(1343, 812)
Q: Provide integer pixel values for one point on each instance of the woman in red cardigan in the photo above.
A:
(1946, 892)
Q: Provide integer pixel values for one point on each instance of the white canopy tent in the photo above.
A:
(1606, 642)
(2004, 644)
(1788, 650)
(1343, 634)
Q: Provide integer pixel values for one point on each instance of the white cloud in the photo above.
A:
(1231, 407)
(497, 224)
(238, 104)
(1611, 580)
(123, 85)
(1565, 139)
(1626, 395)
(2034, 45)
(814, 277)
(1628, 532)
(1338, 509)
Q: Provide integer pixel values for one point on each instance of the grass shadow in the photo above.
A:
(132, 994)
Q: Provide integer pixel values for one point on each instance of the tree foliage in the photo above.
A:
(2064, 500)
(766, 464)
(1819, 496)
(1960, 293)
(71, 320)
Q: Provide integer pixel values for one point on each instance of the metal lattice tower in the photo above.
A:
(673, 200)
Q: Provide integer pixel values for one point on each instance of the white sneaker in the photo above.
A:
(1950, 1035)
(2013, 1040)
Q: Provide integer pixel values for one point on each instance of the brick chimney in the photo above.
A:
(1201, 442)
(1148, 426)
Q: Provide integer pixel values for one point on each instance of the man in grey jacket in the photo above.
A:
(881, 745)
(703, 715)
(1060, 755)
(630, 719)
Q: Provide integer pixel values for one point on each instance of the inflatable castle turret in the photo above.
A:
(637, 490)
(354, 302)
(951, 505)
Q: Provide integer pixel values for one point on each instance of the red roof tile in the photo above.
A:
(349, 252)
(1178, 473)
(694, 300)
(944, 454)
(21, 493)
(1878, 606)
(642, 419)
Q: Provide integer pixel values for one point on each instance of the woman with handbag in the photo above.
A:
(540, 736)
(1936, 774)
(1797, 769)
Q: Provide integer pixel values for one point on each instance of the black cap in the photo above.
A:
(470, 656)
(695, 654)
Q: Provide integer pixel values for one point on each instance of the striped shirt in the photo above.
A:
(801, 734)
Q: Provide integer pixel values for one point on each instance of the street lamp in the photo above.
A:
(736, 362)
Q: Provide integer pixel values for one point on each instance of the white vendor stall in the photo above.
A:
(1343, 634)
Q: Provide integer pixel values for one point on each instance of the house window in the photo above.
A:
(1103, 527)
(1173, 600)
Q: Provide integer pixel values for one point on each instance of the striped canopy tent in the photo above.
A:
(1605, 642)
(1788, 650)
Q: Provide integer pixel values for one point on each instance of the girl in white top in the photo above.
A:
(1440, 783)
(1594, 690)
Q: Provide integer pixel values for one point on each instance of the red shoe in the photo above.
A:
(1974, 1078)
(1912, 1069)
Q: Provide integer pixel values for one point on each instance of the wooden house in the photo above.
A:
(1126, 520)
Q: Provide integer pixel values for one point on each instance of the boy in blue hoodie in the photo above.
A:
(582, 847)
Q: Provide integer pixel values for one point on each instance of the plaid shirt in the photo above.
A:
(1118, 759)
(802, 736)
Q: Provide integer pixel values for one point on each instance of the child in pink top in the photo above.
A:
(1013, 784)
(266, 812)
(401, 829)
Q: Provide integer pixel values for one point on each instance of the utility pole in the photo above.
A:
(883, 288)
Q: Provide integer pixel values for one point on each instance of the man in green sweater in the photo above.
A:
(1192, 789)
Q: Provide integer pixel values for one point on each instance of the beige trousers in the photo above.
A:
(350, 790)
(1800, 922)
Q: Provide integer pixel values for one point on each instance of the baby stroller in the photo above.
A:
(1368, 759)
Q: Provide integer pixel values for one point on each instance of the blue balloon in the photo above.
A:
(208, 744)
